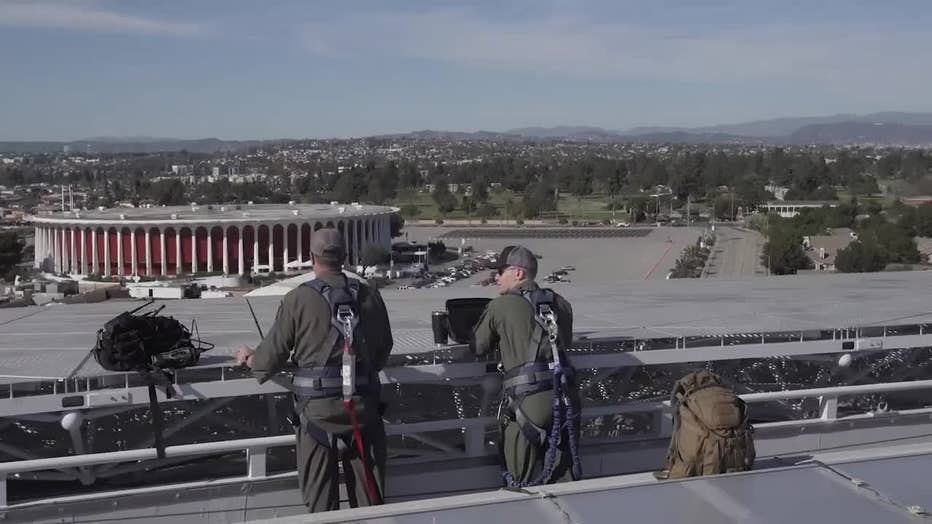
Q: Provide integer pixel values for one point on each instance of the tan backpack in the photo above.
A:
(711, 433)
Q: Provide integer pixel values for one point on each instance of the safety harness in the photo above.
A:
(345, 380)
(535, 376)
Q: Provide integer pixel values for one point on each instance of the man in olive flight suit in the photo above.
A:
(508, 324)
(303, 333)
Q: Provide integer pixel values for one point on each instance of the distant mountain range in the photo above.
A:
(885, 129)
(888, 128)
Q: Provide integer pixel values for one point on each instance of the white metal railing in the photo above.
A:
(127, 396)
(474, 431)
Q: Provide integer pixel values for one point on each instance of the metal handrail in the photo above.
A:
(260, 443)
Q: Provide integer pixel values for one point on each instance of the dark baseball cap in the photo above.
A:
(328, 245)
(519, 256)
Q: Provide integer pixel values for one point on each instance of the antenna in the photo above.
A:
(63, 198)
(256, 320)
(70, 198)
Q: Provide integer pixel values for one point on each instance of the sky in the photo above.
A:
(232, 69)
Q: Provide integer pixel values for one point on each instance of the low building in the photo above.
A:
(924, 245)
(790, 209)
(823, 249)
(916, 201)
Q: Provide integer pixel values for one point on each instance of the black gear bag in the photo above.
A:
(152, 345)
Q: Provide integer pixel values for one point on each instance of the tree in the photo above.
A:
(923, 220)
(537, 199)
(409, 178)
(396, 224)
(783, 253)
(480, 188)
(444, 199)
(896, 241)
(374, 255)
(724, 206)
(346, 190)
(11, 251)
(863, 185)
(169, 193)
(382, 183)
(861, 257)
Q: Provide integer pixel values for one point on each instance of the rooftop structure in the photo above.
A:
(627, 333)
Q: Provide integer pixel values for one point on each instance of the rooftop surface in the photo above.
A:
(228, 213)
(868, 486)
(54, 341)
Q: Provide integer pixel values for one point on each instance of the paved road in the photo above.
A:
(736, 254)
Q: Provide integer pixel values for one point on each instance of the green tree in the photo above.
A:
(923, 220)
(724, 206)
(169, 193)
(408, 176)
(861, 257)
(863, 185)
(479, 188)
(444, 199)
(396, 224)
(896, 241)
(783, 253)
(11, 251)
(374, 255)
(346, 188)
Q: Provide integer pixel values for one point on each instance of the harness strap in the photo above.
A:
(531, 431)
(326, 381)
(528, 379)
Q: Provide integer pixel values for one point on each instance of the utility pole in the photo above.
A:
(688, 202)
(732, 206)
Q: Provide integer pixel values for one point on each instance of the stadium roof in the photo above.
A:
(54, 341)
(216, 213)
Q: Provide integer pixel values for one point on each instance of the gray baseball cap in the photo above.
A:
(519, 256)
(328, 245)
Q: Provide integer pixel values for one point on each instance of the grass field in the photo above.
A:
(592, 207)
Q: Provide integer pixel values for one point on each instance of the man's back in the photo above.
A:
(509, 323)
(304, 323)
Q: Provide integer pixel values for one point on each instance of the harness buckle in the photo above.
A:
(345, 317)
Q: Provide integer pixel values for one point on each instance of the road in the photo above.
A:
(736, 254)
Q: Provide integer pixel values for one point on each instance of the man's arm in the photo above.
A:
(378, 328)
(486, 333)
(273, 352)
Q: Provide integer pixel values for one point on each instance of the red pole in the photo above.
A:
(372, 489)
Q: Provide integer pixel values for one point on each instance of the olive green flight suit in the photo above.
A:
(508, 324)
(301, 328)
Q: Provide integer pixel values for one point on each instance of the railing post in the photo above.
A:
(2, 490)
(828, 408)
(474, 439)
(255, 462)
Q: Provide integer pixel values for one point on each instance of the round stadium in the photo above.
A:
(184, 240)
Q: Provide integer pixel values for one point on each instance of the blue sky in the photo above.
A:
(233, 69)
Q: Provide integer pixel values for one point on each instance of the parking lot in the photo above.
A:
(645, 253)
